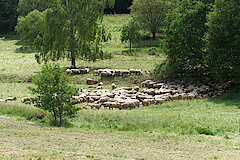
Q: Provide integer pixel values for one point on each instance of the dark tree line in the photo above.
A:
(8, 15)
(120, 7)
(9, 10)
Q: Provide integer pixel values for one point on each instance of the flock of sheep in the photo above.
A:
(156, 93)
(106, 72)
(117, 72)
(129, 98)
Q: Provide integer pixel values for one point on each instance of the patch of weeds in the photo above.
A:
(206, 131)
(153, 51)
(226, 137)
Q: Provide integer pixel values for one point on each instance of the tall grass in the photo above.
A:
(22, 110)
(183, 117)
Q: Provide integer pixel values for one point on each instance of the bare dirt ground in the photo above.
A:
(25, 140)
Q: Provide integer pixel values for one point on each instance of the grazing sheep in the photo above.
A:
(135, 71)
(75, 71)
(3, 100)
(96, 106)
(91, 81)
(11, 99)
(26, 99)
(114, 86)
(69, 71)
(91, 86)
(146, 102)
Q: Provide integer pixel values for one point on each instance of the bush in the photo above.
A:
(223, 41)
(30, 26)
(53, 93)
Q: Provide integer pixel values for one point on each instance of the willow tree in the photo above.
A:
(72, 29)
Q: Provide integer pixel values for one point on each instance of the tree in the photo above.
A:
(31, 26)
(130, 33)
(72, 29)
(185, 29)
(8, 15)
(53, 93)
(150, 14)
(223, 41)
(26, 6)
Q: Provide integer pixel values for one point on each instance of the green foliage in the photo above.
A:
(150, 13)
(72, 29)
(53, 93)
(26, 6)
(31, 26)
(206, 131)
(185, 29)
(223, 41)
(130, 33)
(8, 14)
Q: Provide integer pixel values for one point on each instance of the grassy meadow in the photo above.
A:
(177, 130)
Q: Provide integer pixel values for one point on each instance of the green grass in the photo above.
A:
(174, 130)
(21, 110)
(181, 117)
(17, 67)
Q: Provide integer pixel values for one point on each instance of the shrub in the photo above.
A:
(53, 93)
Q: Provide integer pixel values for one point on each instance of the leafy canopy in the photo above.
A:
(185, 29)
(223, 41)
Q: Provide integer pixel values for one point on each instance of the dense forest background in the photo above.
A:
(9, 14)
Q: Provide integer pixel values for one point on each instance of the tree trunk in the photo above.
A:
(154, 35)
(73, 60)
(60, 119)
(130, 48)
(55, 118)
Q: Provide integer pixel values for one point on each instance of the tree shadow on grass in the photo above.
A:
(24, 46)
(232, 98)
(10, 36)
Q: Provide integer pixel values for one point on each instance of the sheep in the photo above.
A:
(96, 106)
(91, 81)
(84, 71)
(75, 71)
(26, 99)
(146, 102)
(114, 105)
(135, 71)
(114, 86)
(69, 71)
(11, 99)
(95, 72)
(99, 87)
(3, 100)
(106, 74)
(159, 100)
(125, 72)
(106, 104)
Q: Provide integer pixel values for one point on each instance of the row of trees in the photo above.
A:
(203, 40)
(11, 9)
